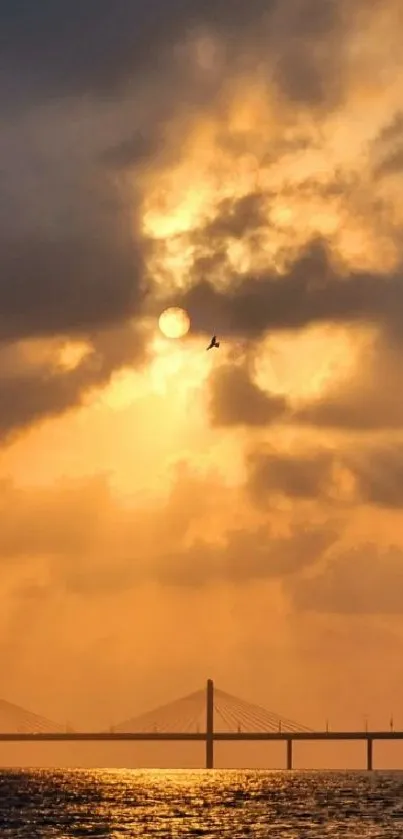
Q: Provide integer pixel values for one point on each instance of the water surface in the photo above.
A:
(116, 804)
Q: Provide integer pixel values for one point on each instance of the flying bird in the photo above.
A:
(213, 343)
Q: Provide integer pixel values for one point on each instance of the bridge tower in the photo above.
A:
(210, 724)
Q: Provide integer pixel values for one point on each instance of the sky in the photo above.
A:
(171, 515)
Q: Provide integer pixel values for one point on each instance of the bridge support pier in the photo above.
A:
(369, 754)
(289, 753)
(210, 725)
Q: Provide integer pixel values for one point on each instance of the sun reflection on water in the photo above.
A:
(224, 804)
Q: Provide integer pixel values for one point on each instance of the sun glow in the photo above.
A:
(174, 323)
(184, 368)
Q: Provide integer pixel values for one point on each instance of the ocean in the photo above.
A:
(117, 804)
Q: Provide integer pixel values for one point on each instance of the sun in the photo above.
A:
(174, 323)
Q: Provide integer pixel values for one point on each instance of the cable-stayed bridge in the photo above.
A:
(209, 716)
(189, 714)
(14, 719)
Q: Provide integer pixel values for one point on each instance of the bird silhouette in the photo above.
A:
(213, 343)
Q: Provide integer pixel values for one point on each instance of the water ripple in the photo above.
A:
(214, 805)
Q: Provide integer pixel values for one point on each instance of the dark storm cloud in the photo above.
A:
(375, 472)
(71, 258)
(362, 580)
(236, 218)
(310, 291)
(67, 48)
(301, 67)
(76, 49)
(134, 150)
(379, 475)
(66, 286)
(235, 400)
(300, 477)
(71, 265)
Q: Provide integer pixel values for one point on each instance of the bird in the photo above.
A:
(213, 343)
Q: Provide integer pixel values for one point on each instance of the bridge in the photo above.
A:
(207, 716)
(17, 720)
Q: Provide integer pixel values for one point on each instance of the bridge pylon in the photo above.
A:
(210, 724)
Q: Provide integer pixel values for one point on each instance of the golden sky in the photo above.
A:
(168, 514)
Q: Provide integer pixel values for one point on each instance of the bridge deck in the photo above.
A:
(102, 736)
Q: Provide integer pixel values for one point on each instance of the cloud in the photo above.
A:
(71, 259)
(300, 68)
(360, 383)
(348, 475)
(379, 474)
(235, 218)
(139, 148)
(67, 287)
(310, 291)
(388, 147)
(370, 398)
(48, 533)
(365, 579)
(306, 476)
(247, 555)
(103, 117)
(393, 164)
(61, 51)
(32, 389)
(71, 255)
(235, 400)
